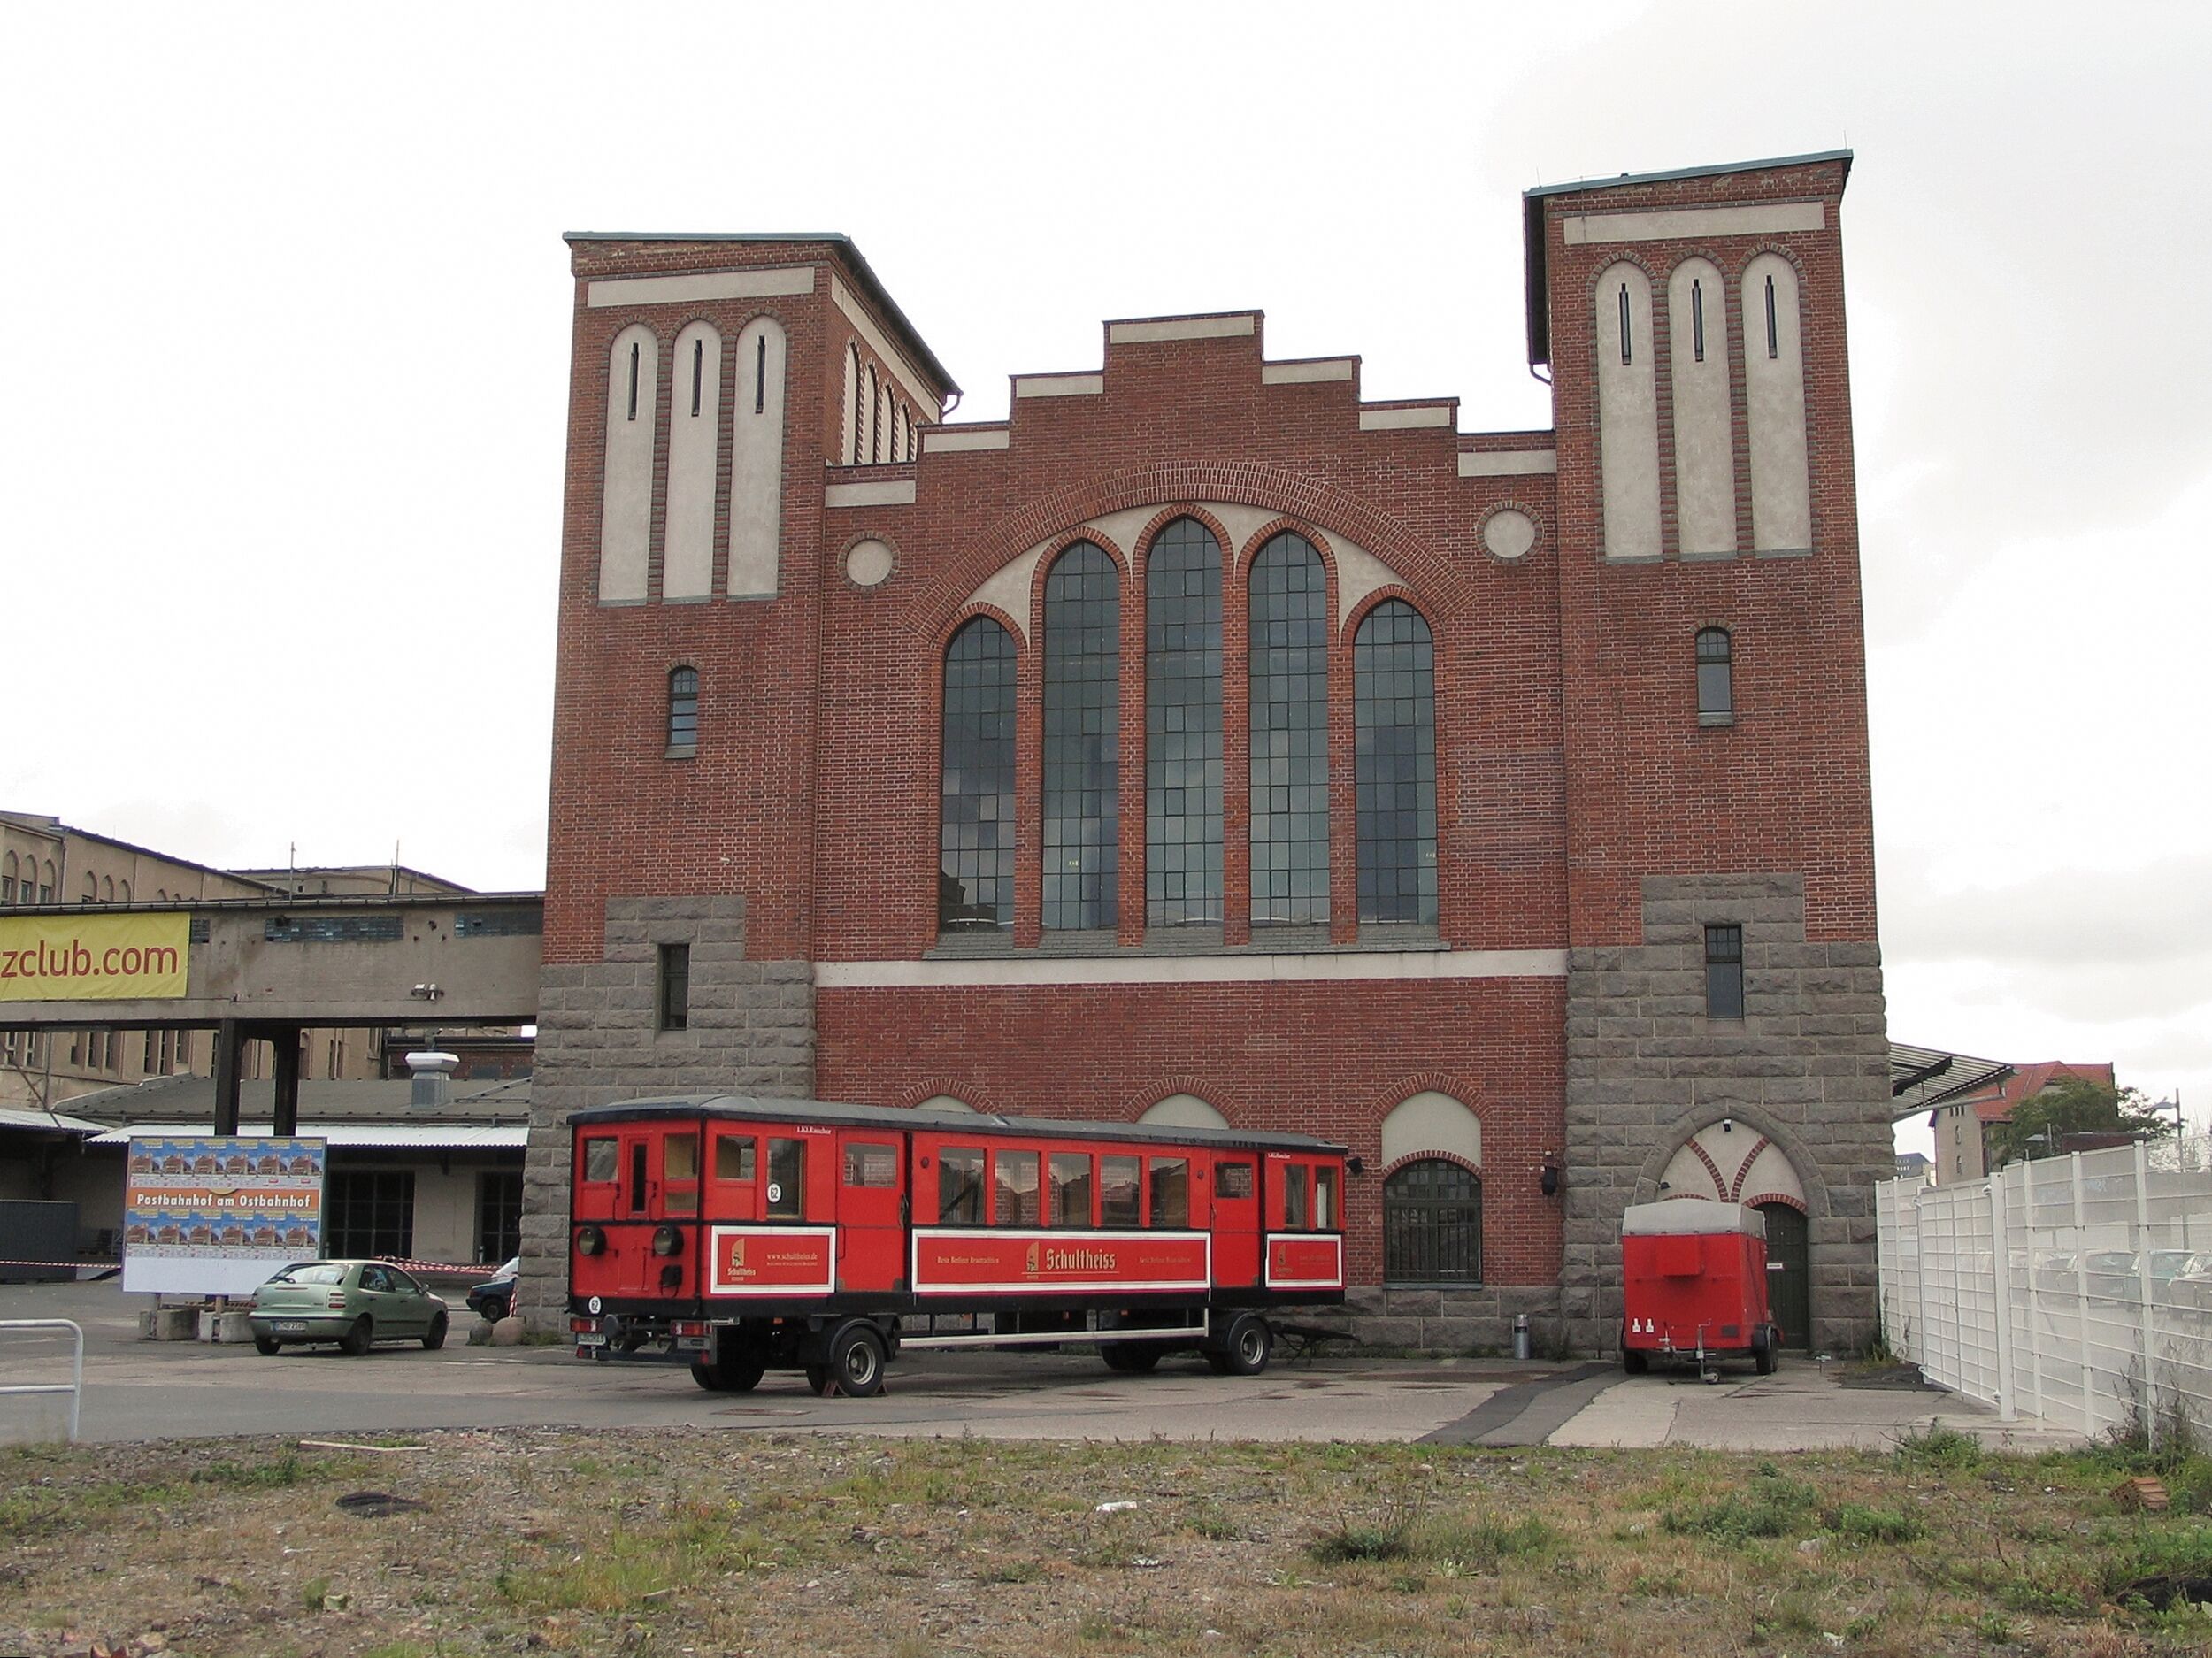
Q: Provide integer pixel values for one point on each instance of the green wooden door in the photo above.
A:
(1789, 1276)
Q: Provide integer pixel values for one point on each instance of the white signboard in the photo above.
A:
(210, 1216)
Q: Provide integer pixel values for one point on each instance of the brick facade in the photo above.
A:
(1577, 790)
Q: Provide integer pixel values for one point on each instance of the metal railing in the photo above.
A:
(73, 1387)
(2077, 1289)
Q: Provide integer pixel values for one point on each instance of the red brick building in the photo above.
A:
(1205, 742)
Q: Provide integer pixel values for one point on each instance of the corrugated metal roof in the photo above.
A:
(398, 1136)
(16, 1117)
(1921, 1079)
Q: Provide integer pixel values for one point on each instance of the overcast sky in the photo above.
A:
(281, 453)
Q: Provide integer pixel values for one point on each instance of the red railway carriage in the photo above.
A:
(744, 1235)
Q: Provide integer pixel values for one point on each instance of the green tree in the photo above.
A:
(2037, 1126)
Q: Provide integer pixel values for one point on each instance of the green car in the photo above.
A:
(354, 1303)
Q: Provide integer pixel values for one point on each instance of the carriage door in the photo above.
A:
(1236, 1221)
(1789, 1275)
(870, 1218)
(638, 1208)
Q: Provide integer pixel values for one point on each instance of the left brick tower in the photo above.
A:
(715, 381)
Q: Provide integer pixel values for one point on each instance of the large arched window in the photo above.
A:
(7, 890)
(1432, 1224)
(1082, 741)
(1774, 406)
(1182, 726)
(694, 450)
(1394, 697)
(1290, 734)
(626, 508)
(975, 878)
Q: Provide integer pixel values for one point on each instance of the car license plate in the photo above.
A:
(591, 1341)
(291, 1324)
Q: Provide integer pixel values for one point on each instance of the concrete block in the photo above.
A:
(169, 1324)
(226, 1328)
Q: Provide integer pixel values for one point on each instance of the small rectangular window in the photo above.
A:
(1774, 342)
(870, 1164)
(675, 986)
(698, 373)
(1015, 1203)
(1724, 973)
(760, 374)
(1325, 1209)
(634, 360)
(1627, 345)
(1697, 318)
(602, 1158)
(1232, 1179)
(679, 1174)
(637, 1177)
(1170, 1179)
(1297, 1179)
(732, 1156)
(1118, 1201)
(1070, 1188)
(787, 1179)
(960, 1187)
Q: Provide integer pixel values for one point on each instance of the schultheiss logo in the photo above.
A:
(1029, 1266)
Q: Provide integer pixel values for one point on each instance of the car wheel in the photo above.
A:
(856, 1361)
(356, 1340)
(434, 1338)
(268, 1346)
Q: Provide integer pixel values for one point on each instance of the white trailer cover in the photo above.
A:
(1696, 1216)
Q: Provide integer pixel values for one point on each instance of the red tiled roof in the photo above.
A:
(2027, 1081)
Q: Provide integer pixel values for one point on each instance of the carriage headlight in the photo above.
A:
(667, 1240)
(589, 1240)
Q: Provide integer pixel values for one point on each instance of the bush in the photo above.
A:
(1773, 1506)
(1939, 1447)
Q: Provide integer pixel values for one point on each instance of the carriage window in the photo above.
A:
(1016, 1199)
(1324, 1210)
(679, 1169)
(1118, 1192)
(787, 1178)
(637, 1177)
(601, 1160)
(1171, 1192)
(960, 1187)
(732, 1156)
(870, 1164)
(1070, 1188)
(1296, 1176)
(1232, 1179)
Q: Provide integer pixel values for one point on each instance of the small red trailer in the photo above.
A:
(1695, 1285)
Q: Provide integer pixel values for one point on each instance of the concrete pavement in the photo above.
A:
(139, 1389)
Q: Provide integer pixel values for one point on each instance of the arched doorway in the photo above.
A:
(1789, 1275)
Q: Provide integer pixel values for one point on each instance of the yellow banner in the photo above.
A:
(93, 958)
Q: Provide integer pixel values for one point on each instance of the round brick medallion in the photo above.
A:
(869, 563)
(1509, 532)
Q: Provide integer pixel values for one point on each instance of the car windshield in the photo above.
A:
(311, 1272)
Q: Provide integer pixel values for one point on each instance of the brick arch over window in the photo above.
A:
(1683, 1131)
(1424, 563)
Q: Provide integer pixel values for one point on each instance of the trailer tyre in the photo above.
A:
(733, 1373)
(1766, 1350)
(1633, 1363)
(1131, 1358)
(857, 1360)
(1246, 1350)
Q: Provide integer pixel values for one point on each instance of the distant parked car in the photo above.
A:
(354, 1303)
(494, 1299)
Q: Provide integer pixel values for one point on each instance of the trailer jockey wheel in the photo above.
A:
(855, 1360)
(1245, 1350)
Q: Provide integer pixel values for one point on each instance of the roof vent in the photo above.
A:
(432, 1072)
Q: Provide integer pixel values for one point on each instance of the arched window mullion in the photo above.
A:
(1080, 835)
(1393, 699)
(975, 879)
(1182, 716)
(1287, 654)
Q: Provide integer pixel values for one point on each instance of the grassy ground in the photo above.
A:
(703, 1542)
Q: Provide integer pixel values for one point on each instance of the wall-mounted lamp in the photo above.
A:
(1547, 1182)
(1356, 1165)
(1728, 1125)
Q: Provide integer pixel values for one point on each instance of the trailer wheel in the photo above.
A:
(856, 1359)
(1766, 1350)
(1131, 1358)
(818, 1380)
(1245, 1352)
(1635, 1362)
(737, 1371)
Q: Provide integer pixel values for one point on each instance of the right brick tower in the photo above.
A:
(1725, 1028)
